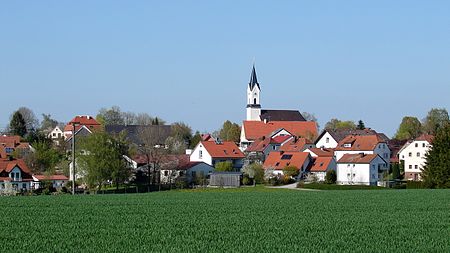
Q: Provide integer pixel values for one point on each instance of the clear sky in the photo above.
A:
(190, 61)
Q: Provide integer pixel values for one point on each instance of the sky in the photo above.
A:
(190, 61)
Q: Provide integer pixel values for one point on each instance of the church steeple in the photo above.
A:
(253, 79)
(253, 96)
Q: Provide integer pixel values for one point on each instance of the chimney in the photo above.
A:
(265, 121)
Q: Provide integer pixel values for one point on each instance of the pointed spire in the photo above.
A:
(253, 79)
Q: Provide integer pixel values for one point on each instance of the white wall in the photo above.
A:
(361, 174)
(200, 154)
(414, 163)
(327, 141)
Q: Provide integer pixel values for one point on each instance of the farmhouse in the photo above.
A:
(361, 169)
(413, 154)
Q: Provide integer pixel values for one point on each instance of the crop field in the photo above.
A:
(242, 220)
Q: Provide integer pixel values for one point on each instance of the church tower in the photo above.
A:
(253, 96)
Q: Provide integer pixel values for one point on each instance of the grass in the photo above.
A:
(236, 220)
(320, 186)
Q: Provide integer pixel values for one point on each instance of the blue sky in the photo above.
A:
(191, 60)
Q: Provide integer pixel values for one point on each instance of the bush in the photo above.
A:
(290, 171)
(331, 177)
(246, 180)
(414, 185)
(301, 184)
(224, 166)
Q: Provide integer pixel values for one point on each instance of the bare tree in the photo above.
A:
(153, 148)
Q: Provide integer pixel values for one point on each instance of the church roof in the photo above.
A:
(256, 129)
(281, 115)
(253, 79)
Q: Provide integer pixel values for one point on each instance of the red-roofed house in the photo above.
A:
(8, 144)
(367, 144)
(321, 166)
(277, 161)
(361, 169)
(297, 144)
(252, 130)
(82, 120)
(16, 173)
(413, 153)
(212, 152)
(57, 181)
(261, 147)
(320, 152)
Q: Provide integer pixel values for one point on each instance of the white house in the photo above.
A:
(14, 173)
(321, 166)
(367, 144)
(57, 181)
(413, 154)
(212, 152)
(331, 139)
(56, 133)
(360, 169)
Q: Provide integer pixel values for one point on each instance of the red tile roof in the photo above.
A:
(323, 152)
(226, 149)
(357, 158)
(296, 144)
(9, 140)
(50, 177)
(6, 165)
(280, 160)
(87, 121)
(359, 142)
(280, 139)
(256, 129)
(321, 164)
(425, 137)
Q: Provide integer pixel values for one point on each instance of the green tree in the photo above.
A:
(17, 125)
(111, 116)
(181, 131)
(230, 132)
(361, 125)
(336, 124)
(195, 140)
(101, 159)
(44, 158)
(410, 128)
(255, 171)
(224, 166)
(290, 171)
(436, 172)
(436, 118)
(330, 177)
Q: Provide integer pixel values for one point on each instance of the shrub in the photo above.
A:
(414, 185)
(246, 180)
(224, 166)
(331, 177)
(290, 171)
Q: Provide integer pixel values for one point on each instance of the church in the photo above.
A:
(261, 122)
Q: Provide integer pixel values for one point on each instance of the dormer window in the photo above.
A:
(347, 145)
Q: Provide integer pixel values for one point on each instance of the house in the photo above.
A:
(14, 173)
(296, 144)
(361, 169)
(321, 166)
(320, 152)
(78, 122)
(260, 148)
(277, 161)
(213, 152)
(56, 133)
(9, 144)
(57, 181)
(192, 170)
(81, 132)
(331, 138)
(261, 122)
(413, 154)
(367, 144)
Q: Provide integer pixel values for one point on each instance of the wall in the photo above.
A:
(412, 161)
(206, 157)
(323, 143)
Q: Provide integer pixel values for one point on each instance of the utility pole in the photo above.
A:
(73, 156)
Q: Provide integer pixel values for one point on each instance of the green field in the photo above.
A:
(243, 220)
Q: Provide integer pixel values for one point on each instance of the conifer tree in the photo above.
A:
(18, 125)
(436, 172)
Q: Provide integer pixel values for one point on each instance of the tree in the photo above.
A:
(335, 124)
(44, 158)
(436, 118)
(101, 159)
(47, 122)
(158, 121)
(129, 118)
(409, 128)
(330, 177)
(436, 172)
(181, 131)
(290, 171)
(224, 166)
(230, 132)
(255, 171)
(29, 117)
(195, 140)
(112, 116)
(17, 125)
(361, 125)
(143, 119)
(310, 117)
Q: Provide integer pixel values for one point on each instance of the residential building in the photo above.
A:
(331, 138)
(78, 122)
(320, 152)
(56, 133)
(321, 166)
(261, 147)
(361, 169)
(367, 144)
(14, 173)
(413, 154)
(9, 144)
(277, 161)
(213, 152)
(57, 181)
(296, 144)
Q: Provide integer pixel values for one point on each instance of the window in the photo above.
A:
(254, 101)
(354, 175)
(24, 186)
(54, 134)
(416, 166)
(286, 157)
(348, 174)
(166, 173)
(423, 145)
(327, 140)
(410, 166)
(418, 154)
(353, 166)
(348, 165)
(410, 154)
(181, 173)
(200, 154)
(347, 145)
(417, 145)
